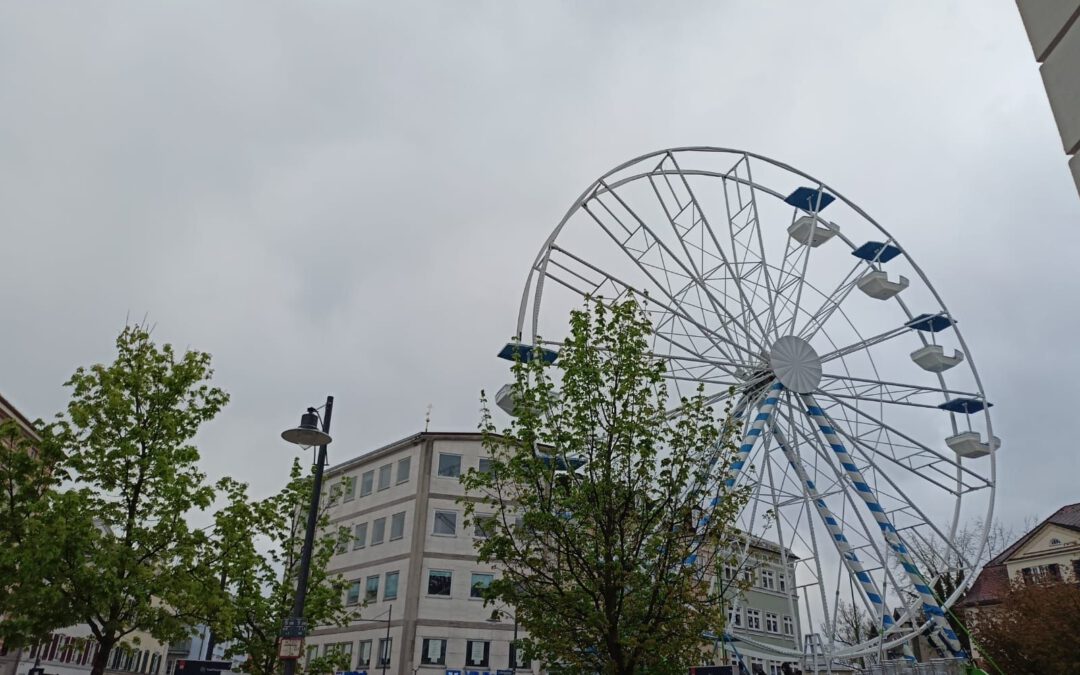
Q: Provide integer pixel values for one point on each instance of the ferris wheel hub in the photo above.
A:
(795, 364)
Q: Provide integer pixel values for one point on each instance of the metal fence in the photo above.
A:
(936, 667)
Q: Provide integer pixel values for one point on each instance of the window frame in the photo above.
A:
(407, 463)
(472, 584)
(439, 466)
(359, 587)
(360, 542)
(371, 594)
(349, 493)
(480, 464)
(378, 526)
(478, 531)
(424, 651)
(767, 578)
(442, 574)
(399, 520)
(787, 625)
(364, 654)
(775, 619)
(469, 653)
(435, 523)
(386, 585)
(386, 649)
(753, 616)
(367, 483)
(386, 470)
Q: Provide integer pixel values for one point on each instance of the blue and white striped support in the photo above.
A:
(930, 603)
(847, 553)
(752, 434)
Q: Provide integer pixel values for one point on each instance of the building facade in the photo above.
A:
(412, 560)
(764, 608)
(415, 584)
(1054, 32)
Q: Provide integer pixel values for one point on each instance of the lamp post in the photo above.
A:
(495, 618)
(307, 435)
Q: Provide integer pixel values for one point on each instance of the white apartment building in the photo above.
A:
(413, 561)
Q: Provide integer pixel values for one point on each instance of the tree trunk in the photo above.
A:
(101, 659)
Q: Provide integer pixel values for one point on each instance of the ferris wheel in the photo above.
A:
(866, 437)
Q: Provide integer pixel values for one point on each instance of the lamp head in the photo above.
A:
(308, 433)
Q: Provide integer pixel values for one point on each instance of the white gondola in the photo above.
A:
(876, 284)
(969, 444)
(933, 359)
(822, 231)
(504, 398)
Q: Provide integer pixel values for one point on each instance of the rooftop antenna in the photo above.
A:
(427, 418)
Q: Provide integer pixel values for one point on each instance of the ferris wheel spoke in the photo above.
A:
(865, 343)
(733, 271)
(717, 340)
(922, 450)
(722, 313)
(880, 557)
(930, 603)
(762, 266)
(817, 320)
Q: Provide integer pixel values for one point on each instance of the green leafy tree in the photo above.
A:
(593, 500)
(29, 475)
(255, 552)
(126, 558)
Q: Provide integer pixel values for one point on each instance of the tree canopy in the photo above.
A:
(594, 500)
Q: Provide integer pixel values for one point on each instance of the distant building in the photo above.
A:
(1053, 29)
(413, 561)
(766, 611)
(1049, 552)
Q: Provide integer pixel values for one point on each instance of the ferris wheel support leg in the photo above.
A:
(765, 411)
(843, 546)
(930, 603)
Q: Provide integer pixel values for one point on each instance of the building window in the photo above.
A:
(367, 482)
(434, 652)
(735, 616)
(479, 583)
(445, 523)
(768, 580)
(403, 467)
(729, 572)
(438, 582)
(449, 465)
(517, 657)
(363, 654)
(390, 589)
(342, 545)
(781, 582)
(484, 465)
(385, 474)
(772, 622)
(477, 655)
(1041, 574)
(397, 526)
(384, 651)
(1055, 542)
(371, 589)
(312, 653)
(340, 648)
(789, 626)
(349, 488)
(352, 595)
(483, 526)
(378, 531)
(753, 619)
(359, 536)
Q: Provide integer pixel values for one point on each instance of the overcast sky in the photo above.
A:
(344, 197)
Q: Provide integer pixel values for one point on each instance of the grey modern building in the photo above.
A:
(412, 560)
(1054, 31)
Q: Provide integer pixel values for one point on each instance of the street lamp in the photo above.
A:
(307, 435)
(495, 618)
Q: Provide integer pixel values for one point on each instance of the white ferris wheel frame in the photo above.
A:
(532, 296)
